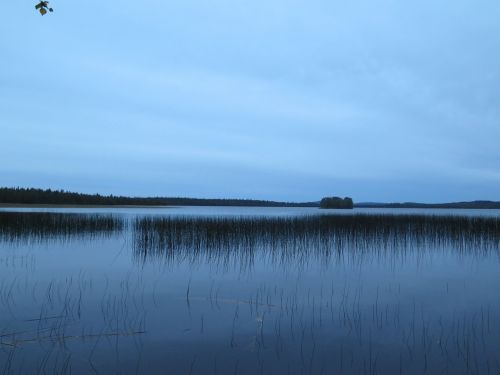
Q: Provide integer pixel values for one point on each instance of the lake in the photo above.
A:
(234, 290)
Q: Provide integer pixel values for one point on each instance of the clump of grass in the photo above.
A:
(39, 226)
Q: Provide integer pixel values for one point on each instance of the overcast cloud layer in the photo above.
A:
(285, 100)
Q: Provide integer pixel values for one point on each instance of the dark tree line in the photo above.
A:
(471, 205)
(40, 196)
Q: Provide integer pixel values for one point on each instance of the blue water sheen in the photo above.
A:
(89, 304)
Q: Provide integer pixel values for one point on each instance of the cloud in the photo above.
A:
(388, 100)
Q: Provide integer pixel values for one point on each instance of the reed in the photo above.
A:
(178, 238)
(43, 226)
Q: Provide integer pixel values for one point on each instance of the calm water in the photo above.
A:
(205, 290)
(256, 211)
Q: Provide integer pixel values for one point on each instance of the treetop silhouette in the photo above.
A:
(43, 7)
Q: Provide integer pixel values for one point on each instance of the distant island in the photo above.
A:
(336, 202)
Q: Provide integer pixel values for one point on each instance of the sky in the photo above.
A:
(290, 100)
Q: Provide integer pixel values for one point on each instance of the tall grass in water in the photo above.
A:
(19, 227)
(321, 236)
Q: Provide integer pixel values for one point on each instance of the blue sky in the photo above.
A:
(285, 100)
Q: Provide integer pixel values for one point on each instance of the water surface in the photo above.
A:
(225, 290)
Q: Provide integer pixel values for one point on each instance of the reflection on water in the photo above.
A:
(272, 294)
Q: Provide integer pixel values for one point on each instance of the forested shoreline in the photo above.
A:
(34, 196)
(61, 197)
(480, 204)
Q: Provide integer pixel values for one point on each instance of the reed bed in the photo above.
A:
(321, 236)
(22, 227)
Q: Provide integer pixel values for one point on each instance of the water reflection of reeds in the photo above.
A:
(22, 227)
(321, 237)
